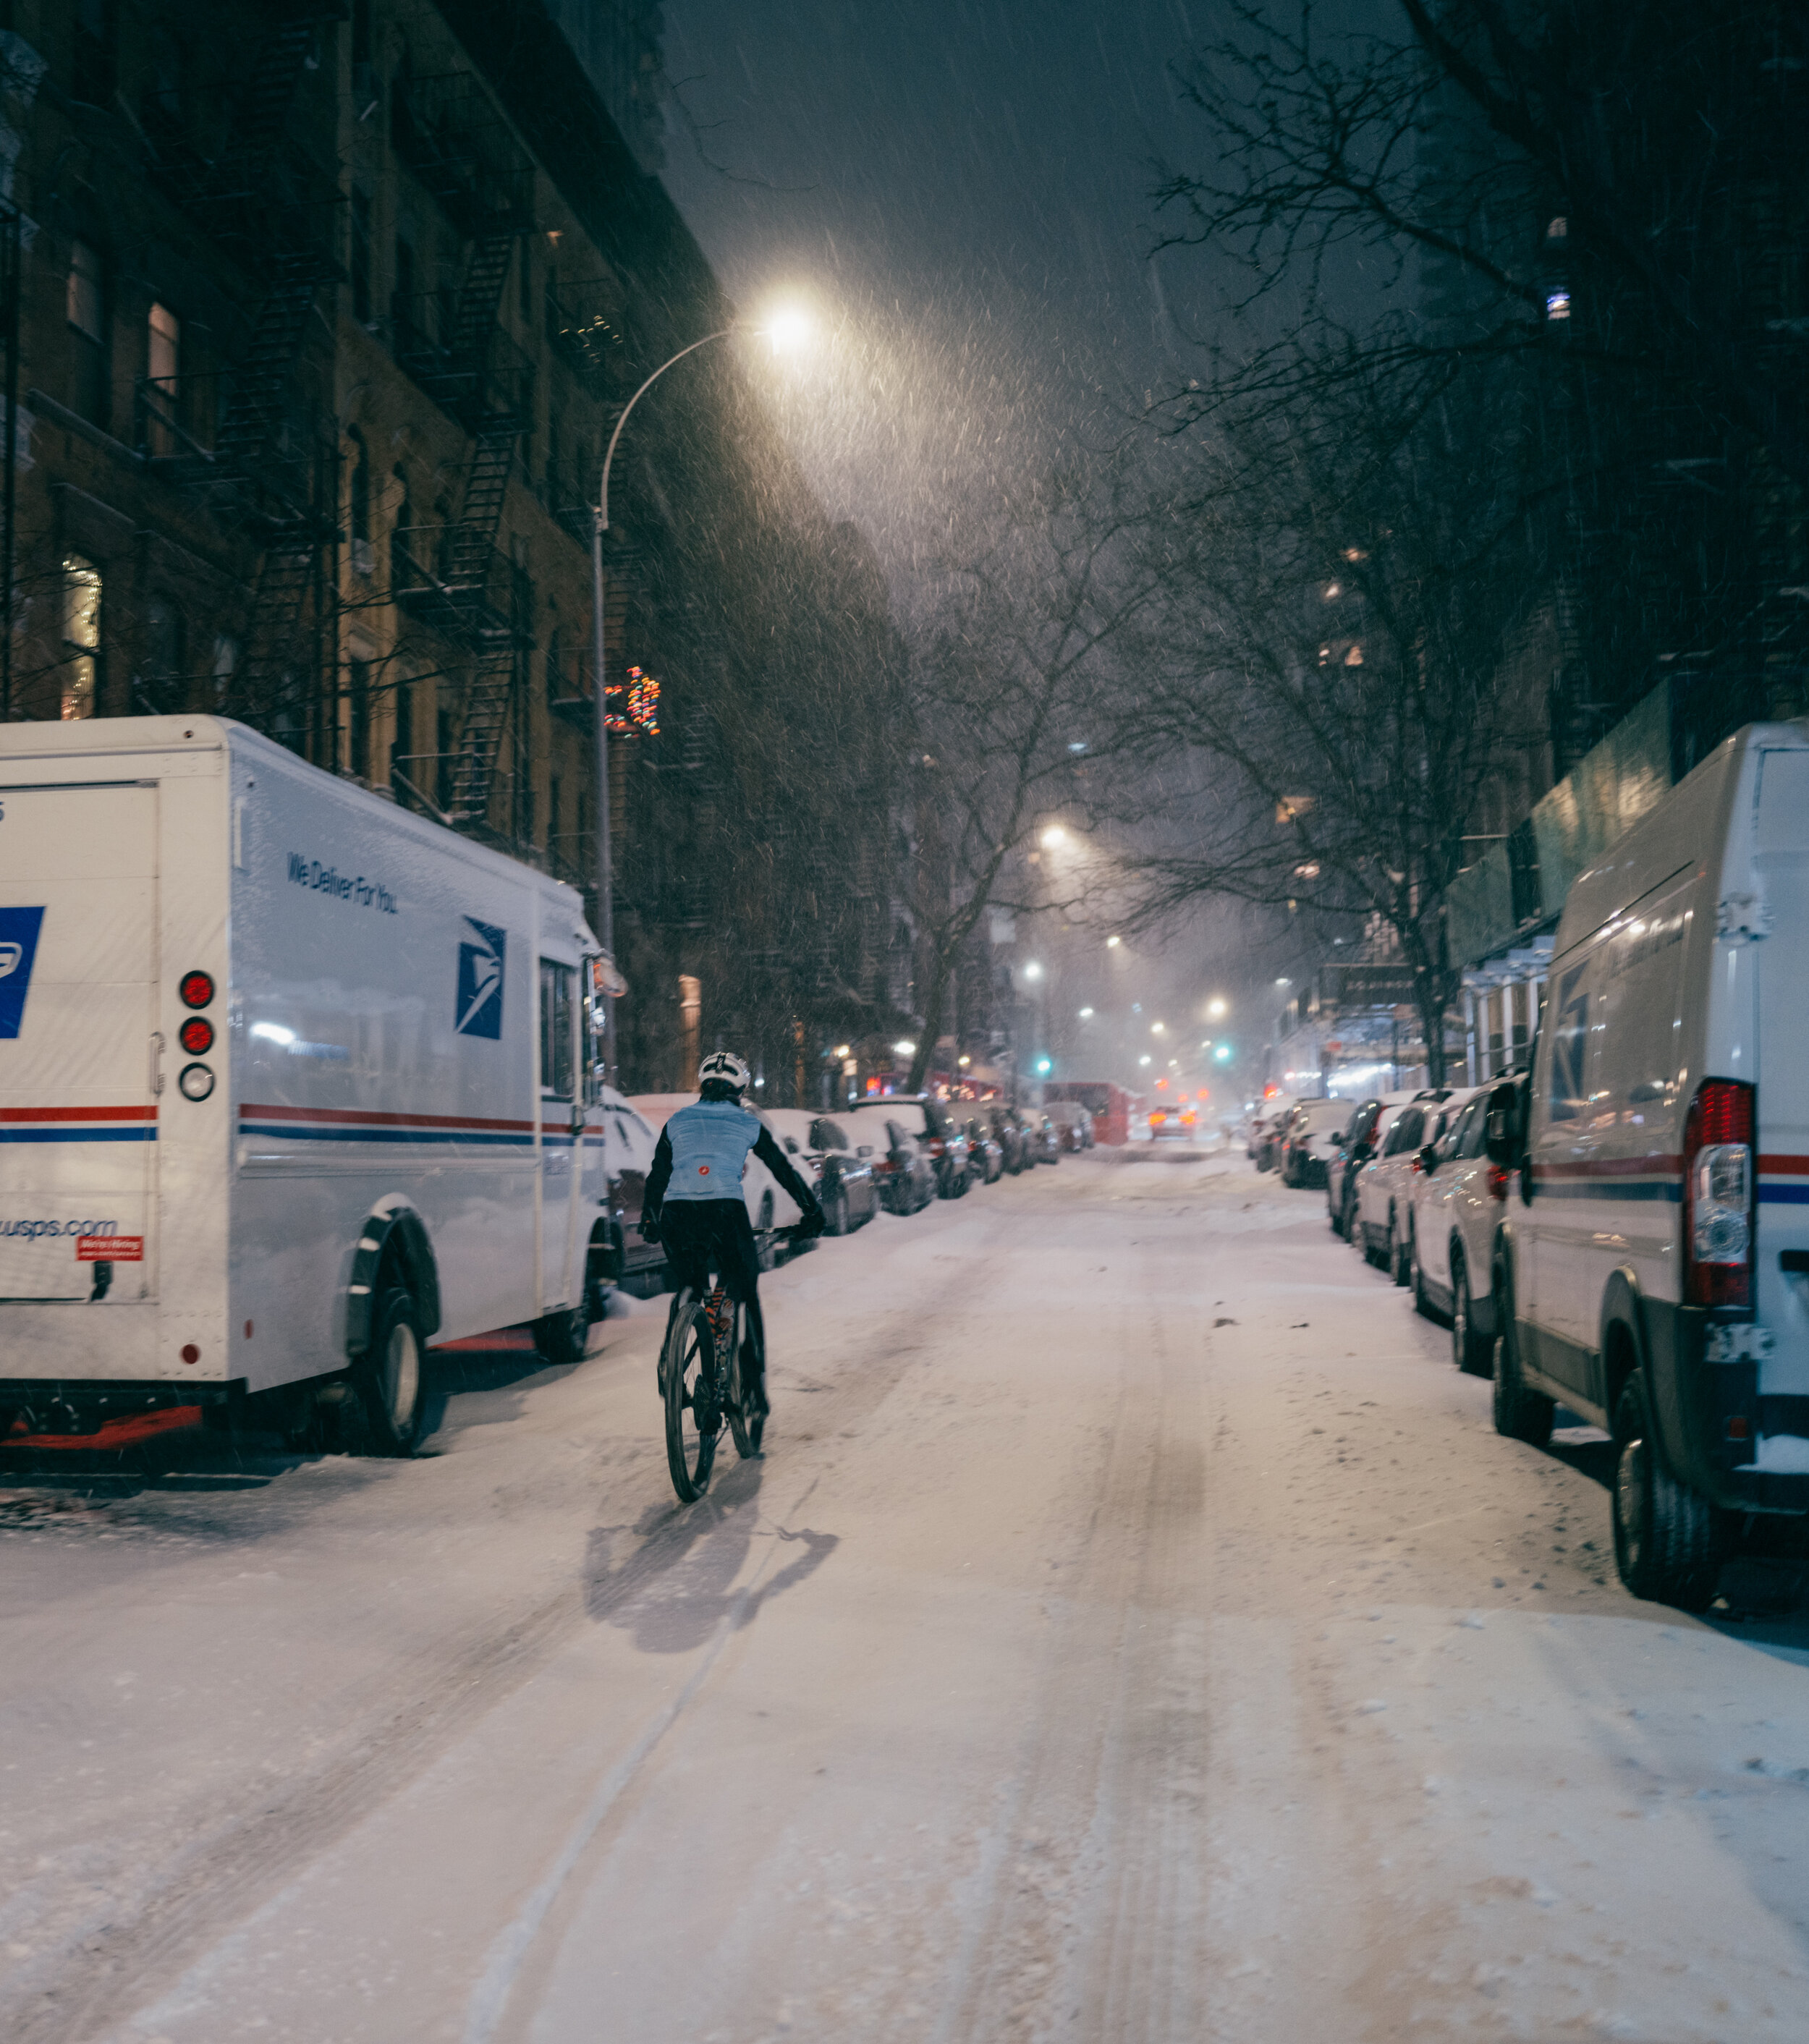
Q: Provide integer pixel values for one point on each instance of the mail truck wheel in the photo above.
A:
(390, 1385)
(1665, 1535)
(561, 1337)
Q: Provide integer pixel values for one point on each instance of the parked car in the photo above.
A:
(627, 1149)
(1043, 1138)
(1268, 1133)
(1658, 1251)
(1460, 1203)
(1307, 1144)
(932, 1122)
(1010, 1133)
(1350, 1153)
(827, 1158)
(1385, 1207)
(985, 1153)
(1073, 1123)
(902, 1168)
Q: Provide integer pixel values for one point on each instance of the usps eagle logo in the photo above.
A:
(479, 1008)
(18, 947)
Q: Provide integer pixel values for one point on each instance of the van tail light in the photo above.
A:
(1720, 1181)
(1498, 1177)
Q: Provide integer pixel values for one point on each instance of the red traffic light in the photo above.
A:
(196, 989)
(196, 1035)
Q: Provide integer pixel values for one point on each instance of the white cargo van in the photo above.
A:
(1658, 1254)
(291, 1082)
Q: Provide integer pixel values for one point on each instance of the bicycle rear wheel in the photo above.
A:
(746, 1428)
(687, 1370)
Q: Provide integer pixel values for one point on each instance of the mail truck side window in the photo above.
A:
(1569, 1024)
(558, 1047)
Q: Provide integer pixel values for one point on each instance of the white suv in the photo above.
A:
(1659, 1253)
(1460, 1201)
(1383, 1228)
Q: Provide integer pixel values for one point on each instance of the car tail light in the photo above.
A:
(1498, 1177)
(1719, 1184)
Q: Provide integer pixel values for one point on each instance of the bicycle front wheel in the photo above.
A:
(692, 1421)
(746, 1426)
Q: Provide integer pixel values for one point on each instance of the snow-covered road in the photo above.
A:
(1135, 1632)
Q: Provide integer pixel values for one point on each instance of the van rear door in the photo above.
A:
(79, 969)
(1782, 858)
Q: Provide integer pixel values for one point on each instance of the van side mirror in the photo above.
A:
(1498, 1137)
(866, 1149)
(1428, 1159)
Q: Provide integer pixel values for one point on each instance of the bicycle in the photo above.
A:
(701, 1384)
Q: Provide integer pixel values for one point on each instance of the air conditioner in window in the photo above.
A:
(363, 557)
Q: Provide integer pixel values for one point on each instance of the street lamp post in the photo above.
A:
(599, 524)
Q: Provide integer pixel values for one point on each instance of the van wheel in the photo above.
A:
(837, 1213)
(1469, 1351)
(561, 1337)
(389, 1385)
(1665, 1534)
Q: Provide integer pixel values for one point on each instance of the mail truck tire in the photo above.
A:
(561, 1337)
(1667, 1546)
(390, 1382)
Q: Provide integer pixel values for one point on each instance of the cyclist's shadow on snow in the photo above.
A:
(690, 1570)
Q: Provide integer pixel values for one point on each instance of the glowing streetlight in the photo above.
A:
(964, 1062)
(1053, 836)
(1033, 970)
(1159, 1028)
(1284, 981)
(1043, 1065)
(789, 328)
(1143, 1061)
(1214, 1010)
(1112, 943)
(905, 1050)
(841, 1050)
(1086, 1015)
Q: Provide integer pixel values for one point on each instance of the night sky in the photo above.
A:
(963, 189)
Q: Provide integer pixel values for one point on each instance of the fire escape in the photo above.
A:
(235, 443)
(456, 579)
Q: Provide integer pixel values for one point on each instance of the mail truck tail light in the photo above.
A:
(196, 989)
(196, 1035)
(1719, 1187)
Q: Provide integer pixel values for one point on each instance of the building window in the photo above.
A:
(401, 742)
(162, 361)
(81, 634)
(361, 257)
(161, 683)
(226, 656)
(363, 560)
(96, 30)
(555, 669)
(85, 307)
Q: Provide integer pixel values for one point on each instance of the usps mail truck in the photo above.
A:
(1655, 1264)
(292, 1083)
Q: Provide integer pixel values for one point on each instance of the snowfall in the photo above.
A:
(1134, 1631)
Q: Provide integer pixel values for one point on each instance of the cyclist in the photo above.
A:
(693, 1202)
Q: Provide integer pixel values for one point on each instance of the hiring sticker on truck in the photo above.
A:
(110, 1249)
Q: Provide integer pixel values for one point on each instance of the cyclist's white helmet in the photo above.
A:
(723, 1068)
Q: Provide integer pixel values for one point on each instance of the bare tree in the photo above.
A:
(1330, 711)
(1565, 157)
(1017, 675)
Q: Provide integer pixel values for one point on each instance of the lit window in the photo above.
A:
(1559, 229)
(83, 305)
(1557, 305)
(81, 634)
(1354, 657)
(164, 352)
